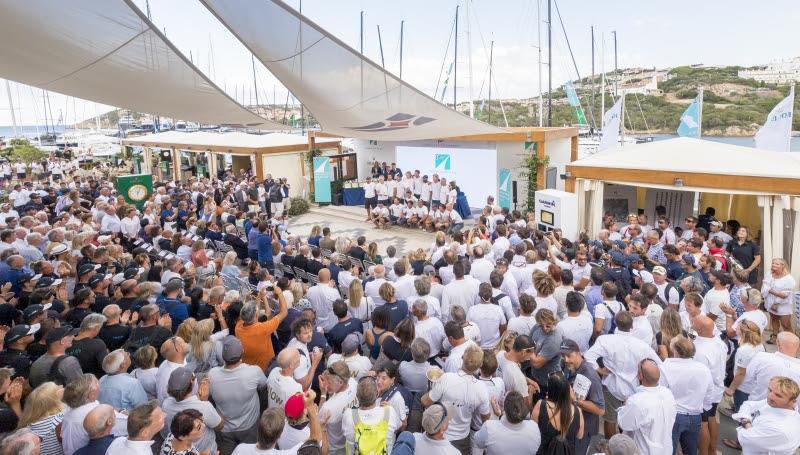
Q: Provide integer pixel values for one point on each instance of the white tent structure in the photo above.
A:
(107, 51)
(701, 166)
(347, 93)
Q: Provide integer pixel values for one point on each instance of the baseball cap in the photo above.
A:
(294, 406)
(32, 311)
(659, 270)
(86, 268)
(133, 272)
(60, 332)
(646, 276)
(716, 223)
(523, 342)
(179, 380)
(47, 281)
(689, 259)
(569, 346)
(20, 331)
(351, 343)
(429, 269)
(231, 349)
(617, 257)
(116, 279)
(435, 416)
(96, 279)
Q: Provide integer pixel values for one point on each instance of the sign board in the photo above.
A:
(504, 188)
(557, 210)
(322, 179)
(136, 189)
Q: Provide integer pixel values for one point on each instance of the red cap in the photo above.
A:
(294, 407)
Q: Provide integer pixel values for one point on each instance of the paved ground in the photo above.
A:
(349, 221)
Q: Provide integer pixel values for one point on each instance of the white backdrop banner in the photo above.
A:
(474, 170)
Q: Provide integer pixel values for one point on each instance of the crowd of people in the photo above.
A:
(202, 323)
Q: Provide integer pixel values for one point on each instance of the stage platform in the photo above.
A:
(349, 221)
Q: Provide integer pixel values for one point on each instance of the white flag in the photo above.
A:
(611, 126)
(776, 134)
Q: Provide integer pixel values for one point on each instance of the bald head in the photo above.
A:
(99, 421)
(703, 325)
(649, 373)
(288, 358)
(324, 275)
(379, 271)
(788, 344)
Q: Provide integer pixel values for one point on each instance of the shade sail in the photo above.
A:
(348, 94)
(107, 51)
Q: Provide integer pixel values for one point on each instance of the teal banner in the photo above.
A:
(322, 179)
(504, 188)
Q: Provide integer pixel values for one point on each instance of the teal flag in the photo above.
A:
(322, 179)
(572, 96)
(690, 120)
(504, 188)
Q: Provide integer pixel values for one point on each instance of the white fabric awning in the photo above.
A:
(347, 93)
(107, 51)
(234, 139)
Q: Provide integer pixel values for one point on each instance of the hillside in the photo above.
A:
(732, 106)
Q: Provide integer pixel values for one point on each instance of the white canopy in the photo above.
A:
(347, 93)
(697, 156)
(107, 51)
(233, 139)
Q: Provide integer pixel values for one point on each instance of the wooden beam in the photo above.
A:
(236, 150)
(259, 163)
(541, 170)
(573, 151)
(690, 179)
(534, 134)
(176, 164)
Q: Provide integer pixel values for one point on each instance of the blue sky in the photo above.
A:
(650, 33)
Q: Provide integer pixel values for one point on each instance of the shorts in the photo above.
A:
(21, 175)
(383, 201)
(710, 413)
(612, 405)
(370, 202)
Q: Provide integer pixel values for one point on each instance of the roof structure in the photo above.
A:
(233, 142)
(109, 52)
(696, 163)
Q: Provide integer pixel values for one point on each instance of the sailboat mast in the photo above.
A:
(361, 49)
(602, 79)
(491, 54)
(469, 61)
(402, 24)
(380, 46)
(302, 106)
(255, 84)
(44, 106)
(549, 63)
(11, 105)
(455, 64)
(700, 112)
(539, 33)
(591, 105)
(616, 74)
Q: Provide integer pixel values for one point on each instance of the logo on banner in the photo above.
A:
(531, 146)
(322, 167)
(442, 162)
(322, 179)
(397, 121)
(504, 188)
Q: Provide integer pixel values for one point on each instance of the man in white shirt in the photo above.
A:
(370, 197)
(370, 412)
(80, 395)
(404, 283)
(508, 367)
(489, 317)
(578, 324)
(321, 296)
(337, 396)
(621, 353)
(422, 286)
(500, 298)
(429, 329)
(712, 352)
(481, 267)
(174, 353)
(463, 391)
(435, 421)
(715, 228)
(717, 297)
(461, 292)
(145, 421)
(380, 215)
(382, 191)
(648, 415)
(751, 300)
(692, 386)
(764, 366)
(281, 382)
(514, 433)
(641, 325)
(667, 291)
(455, 338)
(372, 288)
(501, 243)
(769, 426)
(396, 211)
(605, 312)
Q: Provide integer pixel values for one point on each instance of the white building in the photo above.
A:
(783, 72)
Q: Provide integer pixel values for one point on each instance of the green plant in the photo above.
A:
(21, 149)
(298, 206)
(530, 173)
(310, 156)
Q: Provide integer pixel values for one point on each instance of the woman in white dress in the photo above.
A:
(777, 291)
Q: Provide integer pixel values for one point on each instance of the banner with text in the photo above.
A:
(322, 179)
(504, 188)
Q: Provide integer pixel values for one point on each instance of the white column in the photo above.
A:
(596, 210)
(583, 203)
(794, 261)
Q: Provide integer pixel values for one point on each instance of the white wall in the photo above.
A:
(288, 165)
(559, 151)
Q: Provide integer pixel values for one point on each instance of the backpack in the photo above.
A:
(496, 299)
(371, 439)
(275, 194)
(623, 284)
(667, 290)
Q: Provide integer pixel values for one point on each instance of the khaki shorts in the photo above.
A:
(612, 405)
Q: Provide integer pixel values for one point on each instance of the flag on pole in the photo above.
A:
(572, 96)
(776, 134)
(580, 115)
(690, 120)
(611, 124)
(446, 81)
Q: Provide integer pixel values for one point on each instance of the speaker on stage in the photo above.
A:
(514, 191)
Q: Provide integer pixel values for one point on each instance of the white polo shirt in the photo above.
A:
(281, 388)
(691, 385)
(648, 416)
(467, 395)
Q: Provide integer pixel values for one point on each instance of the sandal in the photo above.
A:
(732, 443)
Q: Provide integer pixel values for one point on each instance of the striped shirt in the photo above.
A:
(46, 429)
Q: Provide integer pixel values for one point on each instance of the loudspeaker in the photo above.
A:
(166, 154)
(514, 191)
